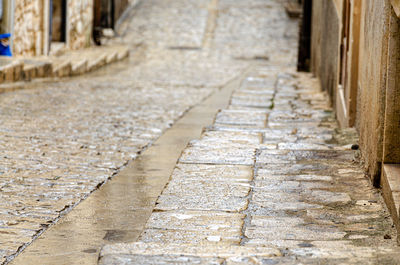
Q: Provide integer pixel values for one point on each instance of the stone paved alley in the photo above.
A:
(271, 181)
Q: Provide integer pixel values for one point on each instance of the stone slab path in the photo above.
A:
(271, 181)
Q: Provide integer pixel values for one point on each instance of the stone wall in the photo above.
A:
(325, 44)
(391, 148)
(377, 118)
(316, 33)
(80, 21)
(372, 82)
(28, 27)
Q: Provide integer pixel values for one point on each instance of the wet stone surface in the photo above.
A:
(59, 141)
(273, 180)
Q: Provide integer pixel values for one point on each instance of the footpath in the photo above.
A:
(93, 169)
(271, 181)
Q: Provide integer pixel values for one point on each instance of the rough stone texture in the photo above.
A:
(391, 149)
(60, 141)
(29, 29)
(309, 201)
(249, 190)
(325, 42)
(372, 79)
(304, 205)
(80, 19)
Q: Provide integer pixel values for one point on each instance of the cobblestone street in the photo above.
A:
(271, 181)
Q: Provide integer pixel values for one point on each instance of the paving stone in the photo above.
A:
(265, 174)
(241, 92)
(190, 237)
(330, 197)
(228, 139)
(215, 155)
(362, 217)
(294, 233)
(368, 205)
(277, 243)
(215, 203)
(206, 188)
(261, 100)
(323, 216)
(197, 221)
(293, 156)
(244, 137)
(292, 125)
(161, 259)
(358, 236)
(299, 168)
(267, 221)
(271, 185)
(111, 252)
(241, 117)
(258, 82)
(280, 201)
(268, 146)
(303, 146)
(338, 252)
(225, 173)
(277, 136)
(295, 116)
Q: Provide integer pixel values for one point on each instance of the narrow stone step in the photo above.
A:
(96, 61)
(62, 68)
(36, 69)
(123, 53)
(65, 64)
(10, 70)
(79, 66)
(390, 183)
(112, 57)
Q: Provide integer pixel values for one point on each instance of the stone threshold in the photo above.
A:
(390, 183)
(15, 72)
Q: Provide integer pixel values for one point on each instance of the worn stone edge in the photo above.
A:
(389, 180)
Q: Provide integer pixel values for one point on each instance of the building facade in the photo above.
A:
(355, 52)
(40, 27)
(41, 24)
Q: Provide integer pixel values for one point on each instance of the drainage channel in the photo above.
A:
(119, 210)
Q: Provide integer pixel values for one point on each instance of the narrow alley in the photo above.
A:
(206, 146)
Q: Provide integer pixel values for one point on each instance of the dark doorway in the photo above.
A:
(346, 98)
(304, 54)
(111, 11)
(97, 22)
(106, 16)
(345, 43)
(58, 13)
(103, 18)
